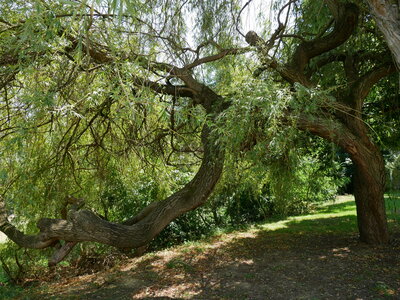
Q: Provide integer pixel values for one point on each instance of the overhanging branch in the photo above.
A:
(84, 225)
(218, 56)
(361, 88)
(345, 25)
(173, 90)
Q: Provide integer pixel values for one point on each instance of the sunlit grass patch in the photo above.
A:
(336, 216)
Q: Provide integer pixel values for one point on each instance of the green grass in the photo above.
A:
(10, 291)
(333, 217)
(392, 200)
(338, 216)
(177, 263)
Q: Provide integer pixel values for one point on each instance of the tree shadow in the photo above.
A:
(315, 258)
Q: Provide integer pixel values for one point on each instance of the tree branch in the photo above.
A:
(344, 27)
(173, 90)
(84, 225)
(61, 253)
(218, 56)
(323, 61)
(361, 88)
(330, 130)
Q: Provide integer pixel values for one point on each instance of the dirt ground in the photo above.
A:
(286, 263)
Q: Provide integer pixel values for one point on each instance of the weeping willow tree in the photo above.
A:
(174, 83)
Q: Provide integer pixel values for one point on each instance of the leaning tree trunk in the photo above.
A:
(84, 225)
(81, 225)
(369, 177)
(369, 188)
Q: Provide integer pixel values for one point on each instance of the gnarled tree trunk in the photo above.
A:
(369, 188)
(84, 225)
(369, 177)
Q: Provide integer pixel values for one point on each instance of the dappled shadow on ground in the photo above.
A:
(294, 261)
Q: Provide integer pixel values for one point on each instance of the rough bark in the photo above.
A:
(369, 177)
(369, 187)
(387, 18)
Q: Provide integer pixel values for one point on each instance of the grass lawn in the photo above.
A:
(392, 201)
